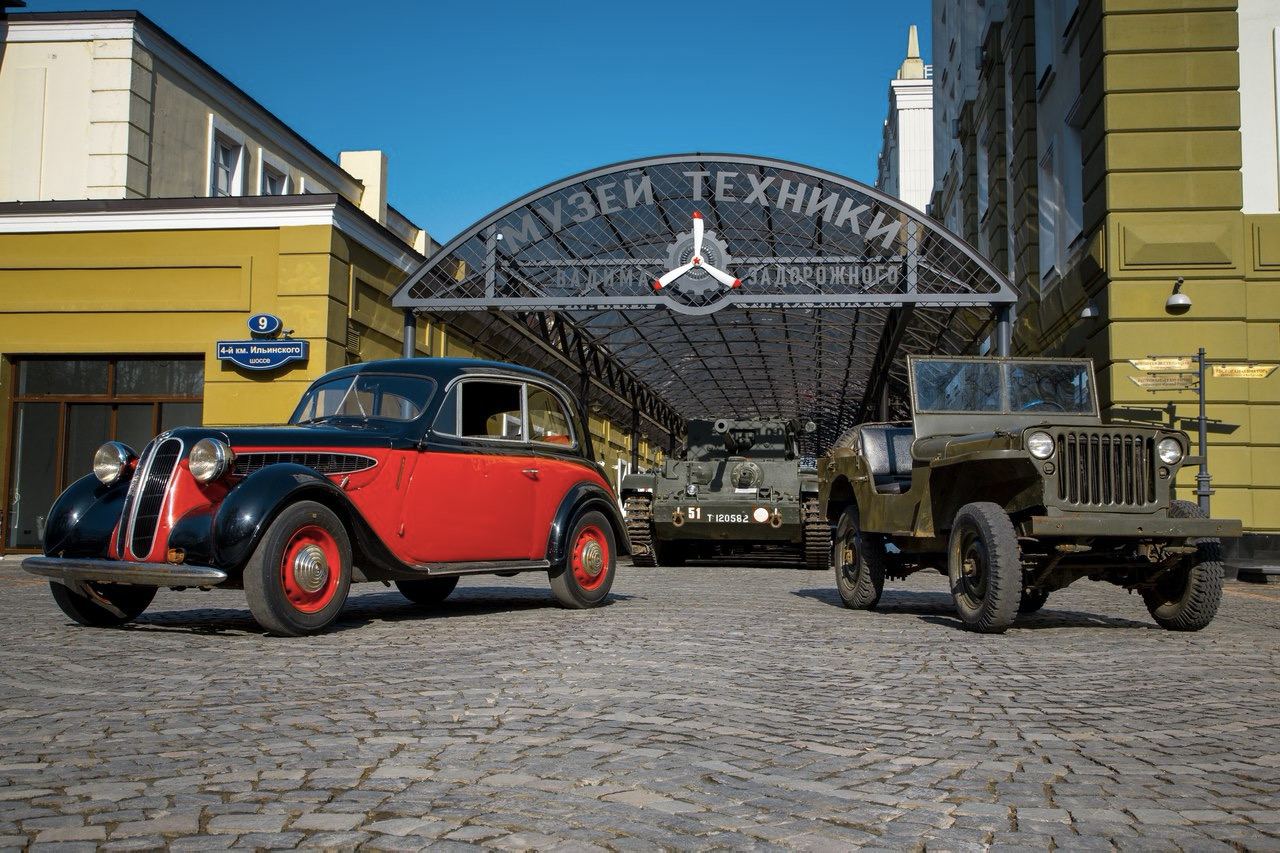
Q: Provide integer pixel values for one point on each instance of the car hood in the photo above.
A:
(284, 437)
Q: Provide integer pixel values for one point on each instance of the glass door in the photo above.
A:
(64, 409)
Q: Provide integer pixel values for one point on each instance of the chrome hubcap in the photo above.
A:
(593, 558)
(310, 568)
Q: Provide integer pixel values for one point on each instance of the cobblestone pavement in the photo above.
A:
(705, 707)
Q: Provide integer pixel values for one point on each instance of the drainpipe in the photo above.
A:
(409, 346)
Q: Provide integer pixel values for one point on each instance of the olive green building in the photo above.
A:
(1101, 150)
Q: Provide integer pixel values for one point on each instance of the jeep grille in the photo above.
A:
(1100, 468)
(324, 463)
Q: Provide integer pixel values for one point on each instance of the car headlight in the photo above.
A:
(1170, 451)
(1040, 445)
(209, 459)
(112, 462)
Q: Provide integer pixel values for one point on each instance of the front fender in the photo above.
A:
(582, 497)
(83, 518)
(250, 507)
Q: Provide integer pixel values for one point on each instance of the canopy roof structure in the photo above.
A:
(719, 285)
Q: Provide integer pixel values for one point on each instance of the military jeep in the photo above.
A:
(1007, 482)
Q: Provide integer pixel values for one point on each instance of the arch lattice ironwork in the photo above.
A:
(720, 285)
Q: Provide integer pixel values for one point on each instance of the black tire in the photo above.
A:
(1186, 598)
(129, 599)
(1032, 601)
(585, 578)
(427, 592)
(817, 536)
(858, 561)
(984, 565)
(277, 599)
(639, 513)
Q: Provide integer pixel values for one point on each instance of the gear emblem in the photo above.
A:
(695, 266)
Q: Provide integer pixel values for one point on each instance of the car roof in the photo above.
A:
(442, 369)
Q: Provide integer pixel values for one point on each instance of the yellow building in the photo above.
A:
(191, 209)
(1101, 150)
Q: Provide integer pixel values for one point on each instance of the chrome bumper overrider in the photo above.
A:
(77, 570)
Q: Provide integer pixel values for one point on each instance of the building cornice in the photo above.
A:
(119, 215)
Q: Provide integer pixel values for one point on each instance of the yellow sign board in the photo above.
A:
(1163, 363)
(1243, 371)
(1165, 381)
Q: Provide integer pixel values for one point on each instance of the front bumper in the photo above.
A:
(71, 570)
(1135, 526)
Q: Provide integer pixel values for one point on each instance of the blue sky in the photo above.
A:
(476, 103)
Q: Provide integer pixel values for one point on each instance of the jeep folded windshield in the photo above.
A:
(365, 396)
(1002, 387)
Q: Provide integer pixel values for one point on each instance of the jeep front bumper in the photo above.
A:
(73, 570)
(1134, 526)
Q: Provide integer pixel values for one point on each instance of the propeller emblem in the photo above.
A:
(698, 263)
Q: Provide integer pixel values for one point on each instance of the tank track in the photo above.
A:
(638, 510)
(817, 536)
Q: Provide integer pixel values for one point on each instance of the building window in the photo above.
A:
(1049, 192)
(274, 183)
(226, 163)
(65, 408)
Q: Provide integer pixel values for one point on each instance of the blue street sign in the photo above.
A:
(265, 324)
(262, 355)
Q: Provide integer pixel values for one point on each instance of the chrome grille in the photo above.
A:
(324, 463)
(1104, 468)
(131, 498)
(150, 497)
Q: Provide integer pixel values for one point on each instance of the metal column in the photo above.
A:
(1004, 331)
(408, 347)
(1202, 476)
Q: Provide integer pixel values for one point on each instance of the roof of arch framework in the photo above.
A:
(709, 285)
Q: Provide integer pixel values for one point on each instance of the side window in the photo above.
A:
(492, 410)
(548, 421)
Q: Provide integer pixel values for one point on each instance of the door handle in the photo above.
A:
(532, 473)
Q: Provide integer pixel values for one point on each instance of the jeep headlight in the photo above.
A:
(1040, 445)
(1169, 451)
(112, 462)
(209, 459)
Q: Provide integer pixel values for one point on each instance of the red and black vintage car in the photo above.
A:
(416, 471)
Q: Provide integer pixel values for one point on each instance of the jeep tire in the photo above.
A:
(585, 576)
(299, 575)
(984, 565)
(129, 599)
(1186, 598)
(858, 561)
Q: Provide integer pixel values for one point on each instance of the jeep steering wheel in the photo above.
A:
(1038, 405)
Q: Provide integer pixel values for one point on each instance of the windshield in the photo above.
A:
(365, 396)
(1003, 387)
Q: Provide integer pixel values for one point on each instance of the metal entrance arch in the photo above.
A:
(709, 285)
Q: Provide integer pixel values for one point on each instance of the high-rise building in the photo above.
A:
(1103, 151)
(905, 167)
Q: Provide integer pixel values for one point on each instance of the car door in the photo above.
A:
(472, 489)
(553, 435)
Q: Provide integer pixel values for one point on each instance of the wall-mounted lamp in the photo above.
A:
(1090, 311)
(1178, 302)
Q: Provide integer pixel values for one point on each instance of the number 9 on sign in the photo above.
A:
(264, 324)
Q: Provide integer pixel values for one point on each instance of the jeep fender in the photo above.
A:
(83, 518)
(249, 508)
(580, 498)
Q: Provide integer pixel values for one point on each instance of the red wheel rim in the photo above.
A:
(310, 568)
(590, 558)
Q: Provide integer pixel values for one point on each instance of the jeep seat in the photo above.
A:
(887, 449)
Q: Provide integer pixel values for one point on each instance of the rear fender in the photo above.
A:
(579, 499)
(83, 518)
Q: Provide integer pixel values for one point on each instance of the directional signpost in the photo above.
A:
(1186, 373)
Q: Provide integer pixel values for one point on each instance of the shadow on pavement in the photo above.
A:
(938, 609)
(361, 610)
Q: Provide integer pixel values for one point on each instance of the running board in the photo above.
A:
(491, 567)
